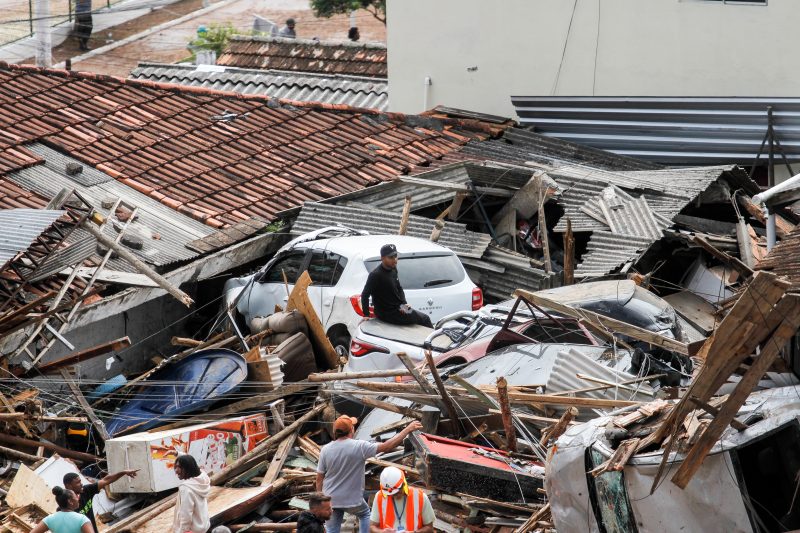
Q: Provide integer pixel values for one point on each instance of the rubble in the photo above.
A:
(644, 367)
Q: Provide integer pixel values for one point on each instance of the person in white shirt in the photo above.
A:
(191, 507)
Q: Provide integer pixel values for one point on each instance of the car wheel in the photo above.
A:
(341, 343)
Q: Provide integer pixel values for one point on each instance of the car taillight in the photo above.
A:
(477, 298)
(359, 348)
(355, 301)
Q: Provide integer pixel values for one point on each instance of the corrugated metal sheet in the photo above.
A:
(520, 145)
(352, 91)
(455, 236)
(666, 130)
(631, 218)
(20, 227)
(571, 362)
(667, 191)
(88, 175)
(606, 251)
(501, 271)
(172, 229)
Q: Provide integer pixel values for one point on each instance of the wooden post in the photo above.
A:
(559, 427)
(505, 413)
(16, 454)
(139, 265)
(455, 207)
(448, 401)
(63, 452)
(96, 422)
(542, 188)
(569, 255)
(386, 406)
(344, 376)
(83, 355)
(404, 218)
(437, 230)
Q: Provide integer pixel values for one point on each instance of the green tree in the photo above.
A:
(328, 8)
(215, 38)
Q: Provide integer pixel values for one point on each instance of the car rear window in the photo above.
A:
(425, 271)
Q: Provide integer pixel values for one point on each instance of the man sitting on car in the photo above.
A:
(388, 297)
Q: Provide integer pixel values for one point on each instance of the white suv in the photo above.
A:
(339, 261)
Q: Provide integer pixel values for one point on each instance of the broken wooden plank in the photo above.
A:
(281, 454)
(96, 422)
(569, 255)
(505, 414)
(64, 452)
(10, 408)
(727, 411)
(558, 429)
(386, 406)
(298, 299)
(137, 263)
(735, 263)
(452, 413)
(604, 322)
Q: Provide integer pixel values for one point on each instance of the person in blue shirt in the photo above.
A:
(65, 519)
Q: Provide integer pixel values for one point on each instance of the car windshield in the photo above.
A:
(425, 271)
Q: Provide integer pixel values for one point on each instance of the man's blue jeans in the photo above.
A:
(362, 512)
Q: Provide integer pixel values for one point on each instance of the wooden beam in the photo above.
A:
(604, 322)
(569, 255)
(84, 355)
(455, 207)
(76, 391)
(505, 414)
(727, 411)
(63, 452)
(138, 264)
(548, 267)
(403, 229)
(452, 413)
(733, 262)
(281, 454)
(386, 406)
(344, 376)
(549, 399)
(558, 429)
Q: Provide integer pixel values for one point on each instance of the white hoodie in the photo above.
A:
(191, 508)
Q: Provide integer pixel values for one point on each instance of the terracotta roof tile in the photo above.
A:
(300, 55)
(175, 143)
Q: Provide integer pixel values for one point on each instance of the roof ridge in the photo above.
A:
(407, 119)
(309, 42)
(263, 72)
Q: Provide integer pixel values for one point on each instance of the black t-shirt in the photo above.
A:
(387, 294)
(85, 502)
(308, 522)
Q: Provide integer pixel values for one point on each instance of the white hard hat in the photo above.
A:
(392, 480)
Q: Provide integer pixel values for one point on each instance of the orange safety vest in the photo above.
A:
(413, 512)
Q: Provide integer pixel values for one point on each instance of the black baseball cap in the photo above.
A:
(388, 250)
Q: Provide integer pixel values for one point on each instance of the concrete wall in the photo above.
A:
(633, 48)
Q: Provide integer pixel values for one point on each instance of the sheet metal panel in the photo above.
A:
(607, 251)
(454, 236)
(666, 130)
(354, 91)
(163, 231)
(20, 227)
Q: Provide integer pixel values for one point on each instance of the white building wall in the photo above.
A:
(614, 48)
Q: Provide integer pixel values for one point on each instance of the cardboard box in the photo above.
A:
(214, 445)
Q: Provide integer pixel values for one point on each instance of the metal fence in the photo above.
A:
(18, 17)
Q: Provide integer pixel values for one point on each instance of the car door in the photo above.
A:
(325, 269)
(270, 289)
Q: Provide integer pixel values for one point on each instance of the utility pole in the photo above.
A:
(44, 52)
